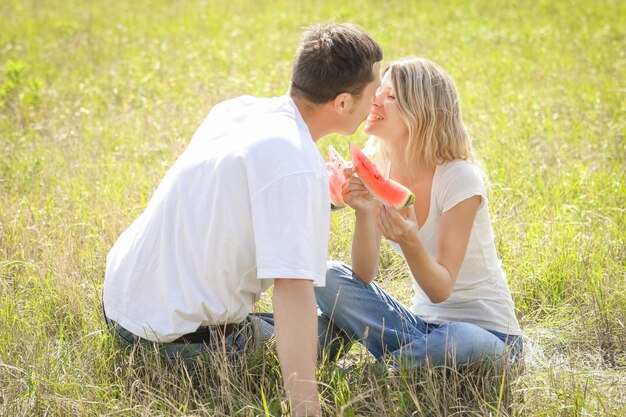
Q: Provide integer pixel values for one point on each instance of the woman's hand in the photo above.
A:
(398, 226)
(356, 195)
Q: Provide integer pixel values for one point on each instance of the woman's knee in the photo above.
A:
(337, 270)
(471, 342)
(454, 343)
(338, 279)
(328, 293)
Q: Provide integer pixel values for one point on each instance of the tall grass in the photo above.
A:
(97, 99)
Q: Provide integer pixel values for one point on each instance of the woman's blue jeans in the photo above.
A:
(390, 331)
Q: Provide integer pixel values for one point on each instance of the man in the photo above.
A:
(246, 205)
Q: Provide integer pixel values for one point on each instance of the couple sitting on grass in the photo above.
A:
(247, 206)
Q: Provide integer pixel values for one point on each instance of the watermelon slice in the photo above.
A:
(383, 189)
(335, 168)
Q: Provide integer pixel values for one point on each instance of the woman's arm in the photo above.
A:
(436, 277)
(366, 238)
(365, 247)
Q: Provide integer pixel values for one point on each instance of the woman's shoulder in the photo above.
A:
(460, 168)
(457, 180)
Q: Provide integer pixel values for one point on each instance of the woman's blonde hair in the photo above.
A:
(428, 103)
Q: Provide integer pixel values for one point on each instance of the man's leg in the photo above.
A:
(190, 354)
(263, 327)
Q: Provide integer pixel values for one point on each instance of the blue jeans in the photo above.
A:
(390, 331)
(256, 330)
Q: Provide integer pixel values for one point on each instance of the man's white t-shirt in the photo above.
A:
(246, 202)
(481, 294)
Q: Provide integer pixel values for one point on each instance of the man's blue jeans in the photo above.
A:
(255, 331)
(249, 336)
(390, 331)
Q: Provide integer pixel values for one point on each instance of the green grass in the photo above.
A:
(97, 99)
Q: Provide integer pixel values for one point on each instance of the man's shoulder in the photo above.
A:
(248, 105)
(245, 115)
(235, 109)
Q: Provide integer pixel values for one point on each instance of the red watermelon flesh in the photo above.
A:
(335, 168)
(383, 189)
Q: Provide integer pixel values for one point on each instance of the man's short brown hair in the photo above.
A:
(333, 59)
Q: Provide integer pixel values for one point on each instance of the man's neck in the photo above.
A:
(315, 116)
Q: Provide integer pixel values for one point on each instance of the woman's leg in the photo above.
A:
(332, 340)
(369, 314)
(451, 344)
(514, 345)
(366, 312)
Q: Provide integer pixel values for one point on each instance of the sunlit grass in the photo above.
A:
(97, 99)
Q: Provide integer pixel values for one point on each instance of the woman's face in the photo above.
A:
(384, 120)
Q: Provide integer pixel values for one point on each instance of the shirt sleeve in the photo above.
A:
(460, 181)
(291, 222)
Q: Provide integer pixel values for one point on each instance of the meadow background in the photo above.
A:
(98, 98)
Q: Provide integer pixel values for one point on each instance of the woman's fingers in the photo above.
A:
(394, 225)
(349, 172)
(354, 192)
(353, 183)
(411, 214)
(386, 221)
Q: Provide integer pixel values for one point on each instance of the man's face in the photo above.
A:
(362, 105)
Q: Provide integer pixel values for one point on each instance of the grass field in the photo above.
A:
(97, 99)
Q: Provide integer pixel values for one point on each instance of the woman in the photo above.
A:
(462, 307)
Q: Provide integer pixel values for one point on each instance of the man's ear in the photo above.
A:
(343, 103)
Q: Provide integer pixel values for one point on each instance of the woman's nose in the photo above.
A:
(377, 98)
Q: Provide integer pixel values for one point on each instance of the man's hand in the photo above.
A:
(295, 314)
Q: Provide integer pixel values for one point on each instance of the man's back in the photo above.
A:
(195, 256)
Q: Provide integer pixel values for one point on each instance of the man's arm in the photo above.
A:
(295, 315)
